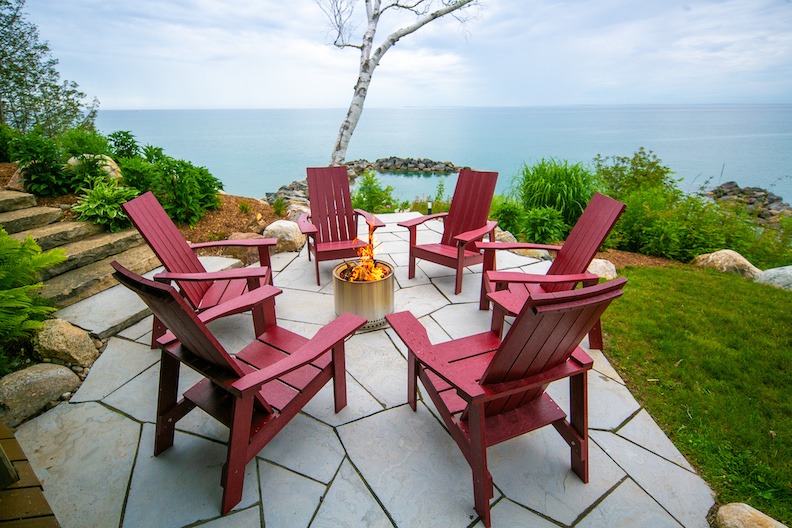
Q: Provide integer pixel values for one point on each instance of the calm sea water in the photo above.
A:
(256, 151)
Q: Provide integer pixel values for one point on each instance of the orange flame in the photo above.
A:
(366, 269)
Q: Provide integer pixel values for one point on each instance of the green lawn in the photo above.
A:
(710, 357)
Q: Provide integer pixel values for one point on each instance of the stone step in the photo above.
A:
(29, 218)
(59, 233)
(78, 284)
(13, 200)
(92, 249)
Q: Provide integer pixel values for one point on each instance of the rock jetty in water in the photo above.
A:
(768, 207)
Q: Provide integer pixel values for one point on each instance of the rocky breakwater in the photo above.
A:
(766, 206)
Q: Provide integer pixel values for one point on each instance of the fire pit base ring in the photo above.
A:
(372, 300)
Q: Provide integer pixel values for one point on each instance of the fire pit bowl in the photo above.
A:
(372, 300)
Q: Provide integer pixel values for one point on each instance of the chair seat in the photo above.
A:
(341, 245)
(449, 252)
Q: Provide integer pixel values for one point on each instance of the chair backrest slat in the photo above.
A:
(180, 319)
(586, 237)
(331, 204)
(164, 238)
(470, 204)
(544, 335)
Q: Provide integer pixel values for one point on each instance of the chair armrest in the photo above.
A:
(371, 220)
(475, 234)
(529, 278)
(413, 333)
(514, 245)
(326, 338)
(306, 227)
(420, 220)
(252, 242)
(229, 274)
(240, 304)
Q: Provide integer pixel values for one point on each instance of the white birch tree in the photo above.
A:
(340, 14)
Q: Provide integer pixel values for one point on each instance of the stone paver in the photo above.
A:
(376, 463)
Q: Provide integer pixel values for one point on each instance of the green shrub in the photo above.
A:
(185, 191)
(557, 184)
(508, 213)
(21, 310)
(440, 202)
(88, 167)
(137, 173)
(41, 162)
(6, 136)
(101, 204)
(78, 141)
(544, 225)
(123, 145)
(620, 176)
(372, 197)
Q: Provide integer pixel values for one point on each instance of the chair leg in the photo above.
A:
(498, 320)
(482, 480)
(578, 419)
(316, 262)
(166, 401)
(412, 380)
(157, 330)
(233, 478)
(459, 272)
(339, 377)
(595, 335)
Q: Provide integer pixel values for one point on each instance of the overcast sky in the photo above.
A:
(140, 54)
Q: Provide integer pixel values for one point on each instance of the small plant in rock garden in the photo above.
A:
(41, 162)
(245, 207)
(279, 206)
(21, 309)
(101, 204)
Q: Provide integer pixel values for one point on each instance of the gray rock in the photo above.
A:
(738, 515)
(26, 392)
(248, 255)
(288, 234)
(778, 277)
(727, 261)
(60, 340)
(295, 210)
(107, 164)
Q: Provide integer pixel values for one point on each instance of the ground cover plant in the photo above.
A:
(708, 355)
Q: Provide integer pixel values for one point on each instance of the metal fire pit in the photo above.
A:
(371, 300)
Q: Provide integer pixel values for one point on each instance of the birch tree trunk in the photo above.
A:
(339, 12)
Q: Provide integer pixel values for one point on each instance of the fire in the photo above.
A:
(365, 269)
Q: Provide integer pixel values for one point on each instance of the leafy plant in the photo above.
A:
(245, 207)
(557, 184)
(508, 213)
(138, 173)
(440, 203)
(83, 170)
(81, 140)
(372, 197)
(21, 310)
(184, 190)
(544, 225)
(123, 145)
(620, 176)
(41, 162)
(101, 204)
(6, 136)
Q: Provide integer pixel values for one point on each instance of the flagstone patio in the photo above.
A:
(376, 463)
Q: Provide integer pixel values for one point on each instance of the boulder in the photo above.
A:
(603, 269)
(288, 234)
(25, 393)
(108, 164)
(296, 209)
(738, 515)
(62, 341)
(727, 261)
(504, 236)
(17, 181)
(778, 277)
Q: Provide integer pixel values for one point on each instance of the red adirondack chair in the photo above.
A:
(254, 393)
(221, 290)
(331, 227)
(489, 390)
(509, 290)
(464, 224)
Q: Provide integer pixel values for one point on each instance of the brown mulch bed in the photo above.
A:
(622, 259)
